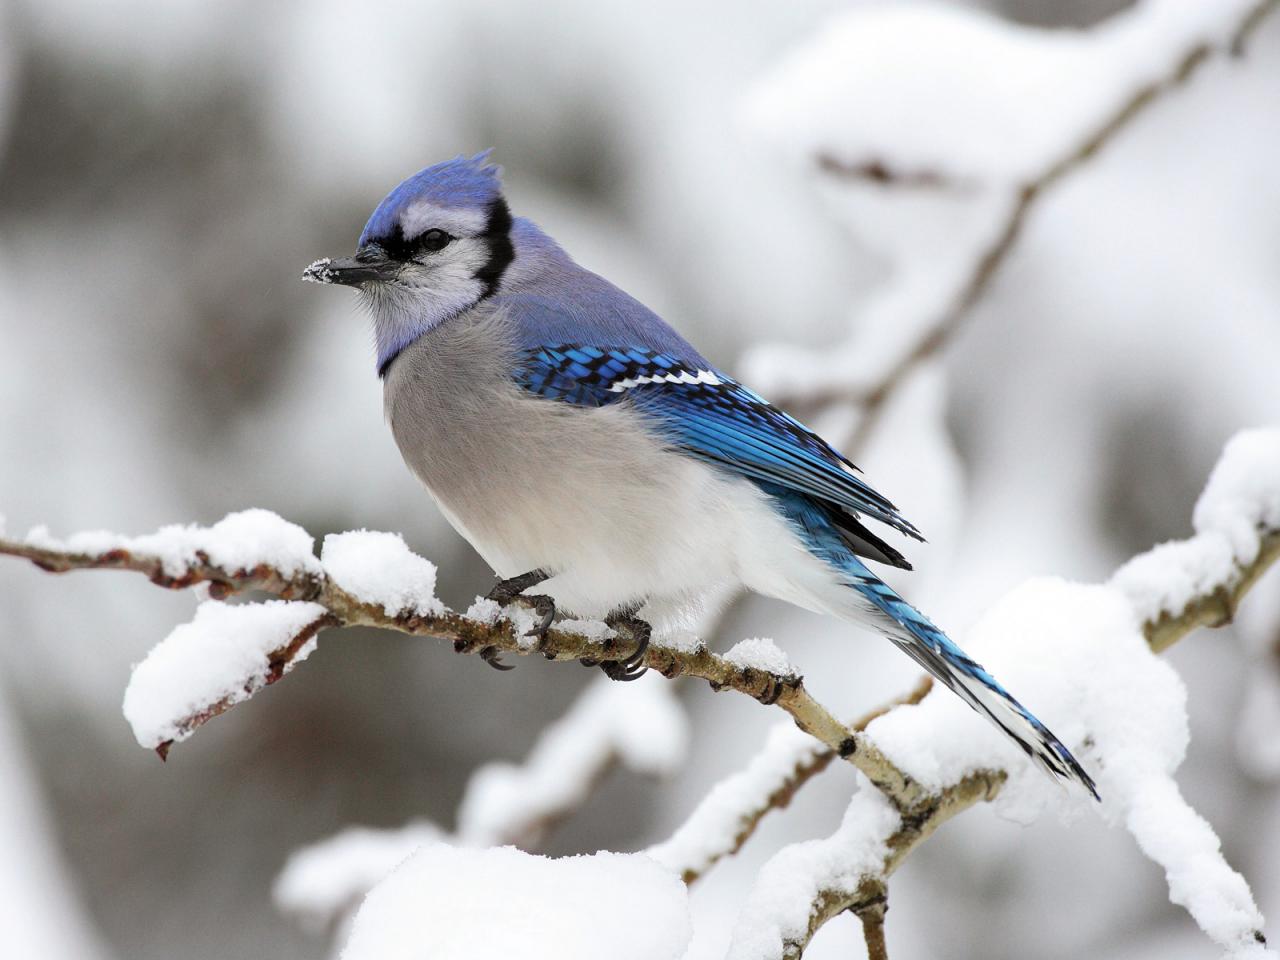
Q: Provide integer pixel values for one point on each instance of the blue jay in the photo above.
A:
(579, 443)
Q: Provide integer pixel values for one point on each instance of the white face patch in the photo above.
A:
(423, 215)
(427, 291)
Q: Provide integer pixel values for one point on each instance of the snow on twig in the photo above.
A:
(222, 657)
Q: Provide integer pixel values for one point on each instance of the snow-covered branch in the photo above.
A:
(372, 579)
(726, 817)
(1135, 743)
(929, 762)
(1115, 72)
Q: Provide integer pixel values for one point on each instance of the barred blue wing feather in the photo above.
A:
(712, 417)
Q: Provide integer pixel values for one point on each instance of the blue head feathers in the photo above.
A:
(466, 183)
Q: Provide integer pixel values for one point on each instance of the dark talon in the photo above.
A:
(507, 590)
(544, 607)
(493, 657)
(512, 591)
(628, 626)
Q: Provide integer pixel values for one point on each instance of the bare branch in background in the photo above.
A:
(937, 334)
(728, 816)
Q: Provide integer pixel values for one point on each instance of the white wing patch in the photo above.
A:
(702, 376)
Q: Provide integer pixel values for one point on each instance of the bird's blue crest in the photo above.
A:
(464, 182)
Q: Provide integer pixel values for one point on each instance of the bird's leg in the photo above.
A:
(628, 626)
(512, 591)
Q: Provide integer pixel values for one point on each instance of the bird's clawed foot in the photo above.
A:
(512, 591)
(628, 627)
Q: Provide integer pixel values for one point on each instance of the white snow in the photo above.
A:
(1241, 498)
(321, 881)
(239, 541)
(680, 641)
(640, 724)
(222, 655)
(451, 903)
(710, 832)
(760, 653)
(596, 631)
(484, 610)
(1243, 492)
(1076, 657)
(976, 103)
(777, 909)
(378, 568)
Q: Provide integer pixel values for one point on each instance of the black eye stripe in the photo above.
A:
(429, 241)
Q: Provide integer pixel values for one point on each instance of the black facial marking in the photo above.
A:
(502, 251)
(398, 248)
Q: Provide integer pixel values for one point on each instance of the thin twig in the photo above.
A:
(871, 910)
(807, 766)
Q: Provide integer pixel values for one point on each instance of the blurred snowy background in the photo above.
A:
(167, 169)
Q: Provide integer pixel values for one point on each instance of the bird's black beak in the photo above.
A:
(369, 263)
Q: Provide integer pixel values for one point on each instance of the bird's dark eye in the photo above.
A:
(434, 240)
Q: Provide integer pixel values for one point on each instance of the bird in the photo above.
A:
(585, 448)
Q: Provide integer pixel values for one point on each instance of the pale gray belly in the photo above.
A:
(587, 493)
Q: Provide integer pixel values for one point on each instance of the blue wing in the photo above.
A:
(713, 418)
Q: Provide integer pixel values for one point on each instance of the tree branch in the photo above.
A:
(1215, 609)
(871, 910)
(486, 638)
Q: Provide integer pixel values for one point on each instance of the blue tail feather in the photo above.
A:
(914, 634)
